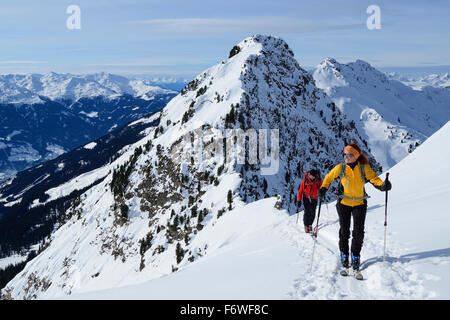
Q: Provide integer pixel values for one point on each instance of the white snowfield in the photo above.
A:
(258, 252)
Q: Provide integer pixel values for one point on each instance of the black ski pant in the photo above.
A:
(359, 217)
(310, 211)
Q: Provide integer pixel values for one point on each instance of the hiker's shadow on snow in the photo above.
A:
(323, 225)
(375, 207)
(440, 253)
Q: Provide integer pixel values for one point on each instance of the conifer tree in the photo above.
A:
(179, 252)
(230, 198)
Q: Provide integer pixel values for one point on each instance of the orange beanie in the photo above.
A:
(353, 151)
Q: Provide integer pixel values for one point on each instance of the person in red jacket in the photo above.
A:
(308, 193)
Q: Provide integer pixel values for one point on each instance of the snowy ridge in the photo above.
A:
(147, 217)
(392, 117)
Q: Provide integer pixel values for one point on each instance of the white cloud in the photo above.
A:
(259, 25)
(22, 62)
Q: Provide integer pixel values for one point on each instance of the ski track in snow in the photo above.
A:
(394, 280)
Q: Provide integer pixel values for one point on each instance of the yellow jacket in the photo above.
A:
(352, 182)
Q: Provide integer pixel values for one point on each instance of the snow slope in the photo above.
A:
(44, 116)
(258, 252)
(237, 263)
(392, 117)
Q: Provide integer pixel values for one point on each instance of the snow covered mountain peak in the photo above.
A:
(210, 95)
(361, 64)
(266, 42)
(391, 116)
(330, 74)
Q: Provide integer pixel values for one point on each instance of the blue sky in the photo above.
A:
(182, 38)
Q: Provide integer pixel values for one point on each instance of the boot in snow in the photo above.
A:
(345, 266)
(355, 262)
(344, 260)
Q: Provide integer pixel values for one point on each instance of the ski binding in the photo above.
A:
(358, 275)
(344, 272)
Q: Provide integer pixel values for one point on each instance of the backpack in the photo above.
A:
(340, 189)
(315, 182)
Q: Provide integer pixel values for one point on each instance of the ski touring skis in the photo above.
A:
(356, 273)
(344, 272)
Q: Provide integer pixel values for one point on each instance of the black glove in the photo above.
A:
(322, 192)
(299, 203)
(386, 186)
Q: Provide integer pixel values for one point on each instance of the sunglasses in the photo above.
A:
(348, 155)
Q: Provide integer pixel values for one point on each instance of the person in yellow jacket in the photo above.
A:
(352, 199)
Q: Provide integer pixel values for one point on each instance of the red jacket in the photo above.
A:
(308, 188)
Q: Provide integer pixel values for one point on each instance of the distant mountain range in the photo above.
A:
(170, 83)
(38, 88)
(43, 116)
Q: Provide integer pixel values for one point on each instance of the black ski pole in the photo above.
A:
(316, 230)
(385, 219)
(315, 237)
